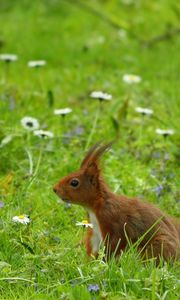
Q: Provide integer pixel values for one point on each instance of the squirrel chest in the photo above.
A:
(96, 237)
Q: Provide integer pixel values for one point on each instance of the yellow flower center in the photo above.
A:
(85, 222)
(21, 217)
(132, 77)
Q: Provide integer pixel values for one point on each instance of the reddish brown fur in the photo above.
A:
(87, 242)
(120, 217)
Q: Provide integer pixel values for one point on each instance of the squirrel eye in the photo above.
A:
(74, 182)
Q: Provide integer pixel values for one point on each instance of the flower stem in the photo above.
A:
(93, 128)
(37, 167)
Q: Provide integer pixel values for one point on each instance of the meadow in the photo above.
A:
(86, 46)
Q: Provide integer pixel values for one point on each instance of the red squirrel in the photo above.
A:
(117, 220)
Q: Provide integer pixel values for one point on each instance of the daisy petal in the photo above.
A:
(84, 223)
(8, 57)
(30, 123)
(130, 78)
(144, 111)
(62, 111)
(100, 95)
(165, 132)
(36, 63)
(23, 219)
(43, 134)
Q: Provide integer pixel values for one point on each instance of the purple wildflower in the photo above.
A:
(158, 190)
(79, 130)
(1, 204)
(156, 154)
(93, 287)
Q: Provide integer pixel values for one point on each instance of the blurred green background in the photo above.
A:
(88, 46)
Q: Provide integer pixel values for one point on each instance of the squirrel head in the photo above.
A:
(84, 186)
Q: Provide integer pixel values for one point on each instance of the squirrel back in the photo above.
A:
(117, 219)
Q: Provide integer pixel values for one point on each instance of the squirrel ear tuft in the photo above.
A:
(93, 155)
(89, 154)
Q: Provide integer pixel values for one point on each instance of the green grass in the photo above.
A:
(44, 260)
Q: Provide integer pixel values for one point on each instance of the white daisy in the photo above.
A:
(84, 223)
(165, 132)
(36, 63)
(100, 95)
(8, 57)
(6, 140)
(23, 219)
(130, 78)
(30, 123)
(43, 134)
(63, 111)
(144, 111)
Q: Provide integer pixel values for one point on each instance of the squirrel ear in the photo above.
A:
(90, 154)
(90, 163)
(92, 173)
